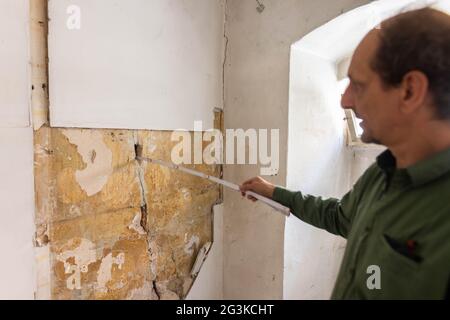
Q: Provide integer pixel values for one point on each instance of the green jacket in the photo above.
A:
(397, 223)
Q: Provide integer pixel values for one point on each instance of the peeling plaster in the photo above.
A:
(136, 224)
(89, 142)
(154, 245)
(118, 285)
(164, 293)
(153, 256)
(104, 272)
(140, 174)
(74, 210)
(41, 238)
(146, 292)
(201, 257)
(191, 245)
(40, 150)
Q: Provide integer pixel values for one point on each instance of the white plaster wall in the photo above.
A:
(14, 63)
(256, 96)
(319, 162)
(17, 276)
(209, 283)
(136, 64)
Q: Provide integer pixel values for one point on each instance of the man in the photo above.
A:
(397, 216)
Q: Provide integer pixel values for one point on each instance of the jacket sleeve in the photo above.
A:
(334, 215)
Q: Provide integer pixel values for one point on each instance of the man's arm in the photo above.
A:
(333, 215)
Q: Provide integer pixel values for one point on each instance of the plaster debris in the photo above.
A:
(191, 245)
(41, 238)
(136, 224)
(201, 257)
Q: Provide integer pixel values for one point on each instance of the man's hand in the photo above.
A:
(259, 186)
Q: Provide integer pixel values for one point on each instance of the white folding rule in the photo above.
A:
(275, 205)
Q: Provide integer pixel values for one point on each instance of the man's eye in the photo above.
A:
(357, 86)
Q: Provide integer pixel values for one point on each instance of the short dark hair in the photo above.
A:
(417, 40)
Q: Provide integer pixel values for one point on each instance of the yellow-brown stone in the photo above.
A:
(118, 229)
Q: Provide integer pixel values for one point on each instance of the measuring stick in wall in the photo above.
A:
(275, 205)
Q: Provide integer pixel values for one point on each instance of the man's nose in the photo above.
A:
(347, 99)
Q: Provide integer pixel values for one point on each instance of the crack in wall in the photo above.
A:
(140, 173)
(224, 53)
(155, 290)
(144, 214)
(141, 178)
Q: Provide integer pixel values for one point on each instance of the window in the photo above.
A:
(354, 130)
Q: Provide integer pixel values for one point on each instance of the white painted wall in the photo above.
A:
(256, 96)
(14, 64)
(209, 283)
(319, 162)
(17, 277)
(136, 64)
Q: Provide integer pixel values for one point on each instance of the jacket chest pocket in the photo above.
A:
(397, 256)
(387, 272)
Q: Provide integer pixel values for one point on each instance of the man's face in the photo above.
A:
(366, 96)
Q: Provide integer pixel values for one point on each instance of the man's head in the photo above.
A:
(400, 76)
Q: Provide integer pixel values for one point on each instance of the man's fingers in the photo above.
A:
(250, 181)
(257, 185)
(248, 185)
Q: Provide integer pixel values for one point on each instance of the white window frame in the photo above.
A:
(353, 138)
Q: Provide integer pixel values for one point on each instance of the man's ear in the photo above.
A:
(414, 90)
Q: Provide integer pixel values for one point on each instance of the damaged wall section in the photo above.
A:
(108, 227)
(114, 228)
